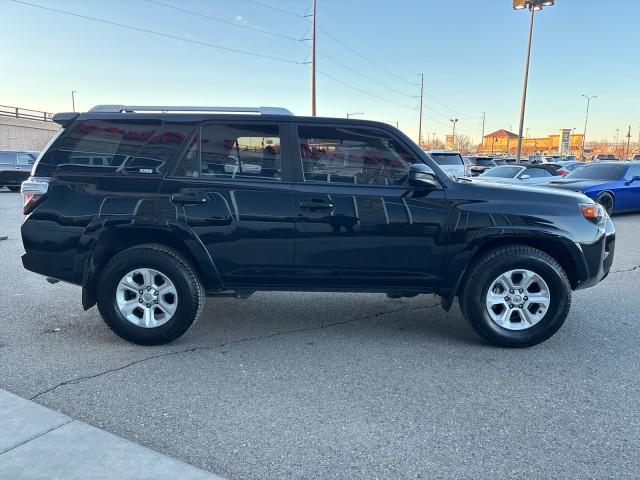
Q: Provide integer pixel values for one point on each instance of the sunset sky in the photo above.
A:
(370, 52)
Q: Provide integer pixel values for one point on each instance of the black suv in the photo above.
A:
(149, 209)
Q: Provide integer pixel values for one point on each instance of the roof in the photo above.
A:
(501, 133)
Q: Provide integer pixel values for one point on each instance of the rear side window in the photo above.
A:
(115, 146)
(233, 152)
(537, 172)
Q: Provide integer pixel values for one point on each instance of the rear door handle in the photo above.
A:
(317, 206)
(187, 199)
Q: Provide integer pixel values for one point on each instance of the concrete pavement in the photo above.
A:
(39, 443)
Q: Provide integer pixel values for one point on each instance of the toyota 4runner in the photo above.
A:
(150, 209)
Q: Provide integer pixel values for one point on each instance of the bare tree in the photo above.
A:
(463, 144)
(433, 144)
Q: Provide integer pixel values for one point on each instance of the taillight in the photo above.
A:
(33, 191)
(562, 171)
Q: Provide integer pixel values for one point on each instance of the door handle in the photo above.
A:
(187, 199)
(317, 206)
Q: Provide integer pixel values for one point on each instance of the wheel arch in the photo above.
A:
(565, 252)
(112, 240)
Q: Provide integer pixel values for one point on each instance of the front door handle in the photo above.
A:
(187, 199)
(317, 206)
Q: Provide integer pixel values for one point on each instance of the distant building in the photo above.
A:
(505, 142)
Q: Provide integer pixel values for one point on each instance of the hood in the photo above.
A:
(576, 185)
(534, 189)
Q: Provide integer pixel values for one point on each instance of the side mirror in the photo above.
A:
(524, 177)
(633, 179)
(422, 176)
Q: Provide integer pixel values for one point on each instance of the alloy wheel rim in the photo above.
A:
(146, 297)
(518, 299)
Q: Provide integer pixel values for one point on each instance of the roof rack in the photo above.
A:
(185, 109)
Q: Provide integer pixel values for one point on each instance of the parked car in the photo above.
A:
(614, 185)
(605, 158)
(340, 205)
(15, 167)
(636, 158)
(449, 161)
(476, 165)
(567, 167)
(523, 174)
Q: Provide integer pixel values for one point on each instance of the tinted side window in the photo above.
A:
(632, 172)
(8, 157)
(233, 151)
(115, 146)
(24, 159)
(352, 155)
(537, 172)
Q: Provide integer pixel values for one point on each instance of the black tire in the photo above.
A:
(190, 294)
(606, 200)
(14, 188)
(496, 262)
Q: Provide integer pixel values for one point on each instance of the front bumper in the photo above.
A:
(598, 256)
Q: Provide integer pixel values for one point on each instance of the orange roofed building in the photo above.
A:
(505, 142)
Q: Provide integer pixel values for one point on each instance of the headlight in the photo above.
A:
(594, 212)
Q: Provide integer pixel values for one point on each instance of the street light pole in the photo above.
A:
(73, 99)
(421, 101)
(524, 87)
(313, 64)
(454, 121)
(586, 119)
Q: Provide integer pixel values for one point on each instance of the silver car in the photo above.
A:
(15, 167)
(522, 174)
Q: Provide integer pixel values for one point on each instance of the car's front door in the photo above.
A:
(359, 223)
(628, 195)
(230, 188)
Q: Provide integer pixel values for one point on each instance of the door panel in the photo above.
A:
(359, 224)
(230, 189)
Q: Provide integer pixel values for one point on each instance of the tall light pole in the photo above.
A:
(586, 119)
(534, 6)
(421, 101)
(313, 64)
(617, 144)
(454, 121)
(628, 143)
(354, 113)
(73, 99)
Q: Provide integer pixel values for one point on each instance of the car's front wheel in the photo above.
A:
(606, 200)
(149, 295)
(516, 296)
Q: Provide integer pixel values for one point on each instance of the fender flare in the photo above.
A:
(97, 243)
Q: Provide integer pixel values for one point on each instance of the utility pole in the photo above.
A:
(628, 143)
(73, 99)
(313, 64)
(586, 119)
(421, 98)
(484, 115)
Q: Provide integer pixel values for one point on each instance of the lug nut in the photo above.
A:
(520, 306)
(140, 291)
(155, 293)
(148, 288)
(511, 290)
(506, 299)
(526, 298)
(140, 300)
(521, 290)
(511, 305)
(148, 305)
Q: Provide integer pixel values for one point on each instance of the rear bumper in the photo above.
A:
(598, 257)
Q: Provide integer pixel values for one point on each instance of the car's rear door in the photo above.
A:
(231, 188)
(359, 223)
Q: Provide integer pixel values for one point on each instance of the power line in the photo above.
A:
(221, 20)
(159, 34)
(278, 9)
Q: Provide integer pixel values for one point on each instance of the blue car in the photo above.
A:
(614, 185)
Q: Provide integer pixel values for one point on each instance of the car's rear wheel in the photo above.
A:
(606, 200)
(516, 296)
(149, 295)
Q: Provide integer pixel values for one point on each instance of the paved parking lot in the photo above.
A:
(341, 386)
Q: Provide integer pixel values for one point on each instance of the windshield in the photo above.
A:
(502, 172)
(598, 172)
(447, 158)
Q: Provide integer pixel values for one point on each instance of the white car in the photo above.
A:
(522, 174)
(450, 162)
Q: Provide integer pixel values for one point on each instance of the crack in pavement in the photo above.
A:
(230, 342)
(625, 270)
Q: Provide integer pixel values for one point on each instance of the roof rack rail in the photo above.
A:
(186, 109)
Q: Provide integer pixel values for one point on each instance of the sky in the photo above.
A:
(370, 53)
